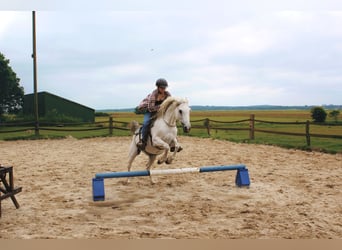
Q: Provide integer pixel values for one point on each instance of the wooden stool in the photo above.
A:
(7, 188)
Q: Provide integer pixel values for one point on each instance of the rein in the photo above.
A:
(168, 124)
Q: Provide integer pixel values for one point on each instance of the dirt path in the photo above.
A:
(293, 194)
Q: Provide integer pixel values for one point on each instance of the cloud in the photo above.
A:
(111, 59)
(7, 19)
(242, 39)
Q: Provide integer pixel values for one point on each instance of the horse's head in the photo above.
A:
(183, 115)
(175, 109)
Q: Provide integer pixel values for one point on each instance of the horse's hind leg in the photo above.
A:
(133, 152)
(150, 162)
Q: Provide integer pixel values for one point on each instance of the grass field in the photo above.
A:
(217, 119)
(327, 145)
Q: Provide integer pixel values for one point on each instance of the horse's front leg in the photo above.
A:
(159, 143)
(164, 157)
(175, 147)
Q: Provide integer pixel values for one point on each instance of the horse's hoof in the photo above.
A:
(168, 162)
(160, 162)
(152, 181)
(172, 149)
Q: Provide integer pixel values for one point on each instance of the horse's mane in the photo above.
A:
(170, 102)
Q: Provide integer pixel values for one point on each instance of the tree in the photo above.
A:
(334, 114)
(318, 114)
(11, 94)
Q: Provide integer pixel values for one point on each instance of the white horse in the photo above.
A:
(163, 136)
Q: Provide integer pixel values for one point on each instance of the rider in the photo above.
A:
(151, 105)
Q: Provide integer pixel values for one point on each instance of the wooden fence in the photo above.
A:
(110, 125)
(251, 125)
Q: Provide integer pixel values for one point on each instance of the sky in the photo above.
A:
(223, 53)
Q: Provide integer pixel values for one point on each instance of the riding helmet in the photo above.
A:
(161, 83)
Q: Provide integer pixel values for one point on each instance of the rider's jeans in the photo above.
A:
(146, 123)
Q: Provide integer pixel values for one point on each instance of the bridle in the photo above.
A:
(168, 124)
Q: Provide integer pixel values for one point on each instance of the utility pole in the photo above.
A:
(34, 56)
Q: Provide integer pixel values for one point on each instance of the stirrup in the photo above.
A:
(141, 145)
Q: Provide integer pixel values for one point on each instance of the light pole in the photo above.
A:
(34, 56)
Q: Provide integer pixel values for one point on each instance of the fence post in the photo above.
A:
(307, 133)
(207, 125)
(251, 126)
(110, 125)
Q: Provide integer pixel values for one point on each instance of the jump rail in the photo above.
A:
(241, 179)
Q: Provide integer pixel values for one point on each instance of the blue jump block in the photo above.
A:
(98, 189)
(242, 177)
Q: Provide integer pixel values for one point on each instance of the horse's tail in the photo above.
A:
(134, 125)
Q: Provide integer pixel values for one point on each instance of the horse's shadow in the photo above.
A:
(123, 202)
